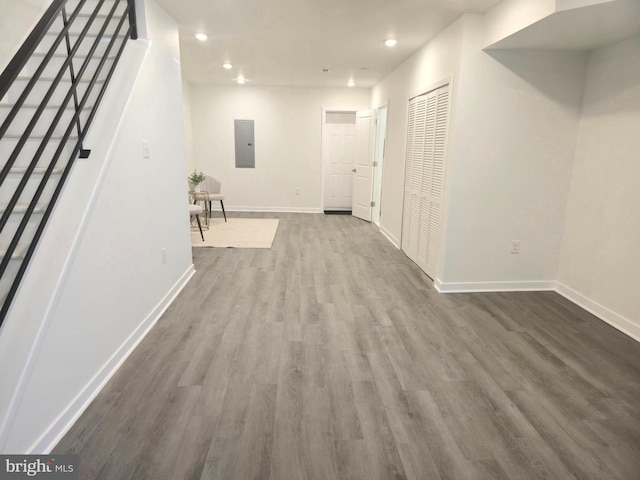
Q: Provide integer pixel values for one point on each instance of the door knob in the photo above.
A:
(353, 170)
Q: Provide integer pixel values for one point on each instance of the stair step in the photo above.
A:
(30, 148)
(25, 115)
(73, 35)
(55, 138)
(33, 106)
(59, 93)
(36, 171)
(22, 208)
(52, 79)
(18, 254)
(56, 61)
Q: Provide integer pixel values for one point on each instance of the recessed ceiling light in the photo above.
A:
(390, 42)
(241, 80)
(201, 36)
(227, 66)
(351, 83)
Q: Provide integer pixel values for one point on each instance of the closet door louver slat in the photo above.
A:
(424, 177)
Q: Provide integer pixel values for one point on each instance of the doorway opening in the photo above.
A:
(353, 147)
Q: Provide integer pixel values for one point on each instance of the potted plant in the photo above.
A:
(196, 178)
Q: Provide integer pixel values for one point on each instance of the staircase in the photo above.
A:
(49, 95)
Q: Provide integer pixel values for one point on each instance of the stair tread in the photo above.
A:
(40, 137)
(18, 254)
(22, 207)
(64, 55)
(51, 79)
(34, 106)
(36, 171)
(77, 34)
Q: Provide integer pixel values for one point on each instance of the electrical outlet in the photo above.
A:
(163, 253)
(515, 246)
(297, 191)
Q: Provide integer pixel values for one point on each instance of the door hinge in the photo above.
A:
(373, 204)
(375, 164)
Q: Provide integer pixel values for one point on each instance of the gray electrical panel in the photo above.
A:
(245, 153)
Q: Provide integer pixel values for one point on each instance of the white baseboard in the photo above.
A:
(471, 287)
(614, 319)
(270, 209)
(61, 425)
(390, 237)
(617, 321)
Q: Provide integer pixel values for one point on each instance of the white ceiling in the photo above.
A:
(288, 42)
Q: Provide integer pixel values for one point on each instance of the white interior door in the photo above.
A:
(378, 160)
(363, 168)
(338, 152)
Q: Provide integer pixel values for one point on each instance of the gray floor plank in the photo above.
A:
(330, 356)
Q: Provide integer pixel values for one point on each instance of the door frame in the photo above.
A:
(323, 119)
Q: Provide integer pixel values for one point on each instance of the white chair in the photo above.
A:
(214, 187)
(196, 211)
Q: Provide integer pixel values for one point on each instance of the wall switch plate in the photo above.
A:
(146, 152)
(515, 246)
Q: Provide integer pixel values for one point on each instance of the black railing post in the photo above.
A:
(133, 19)
(84, 153)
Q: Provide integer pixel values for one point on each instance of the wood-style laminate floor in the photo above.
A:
(331, 356)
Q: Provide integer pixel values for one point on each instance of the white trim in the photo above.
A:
(469, 287)
(63, 423)
(390, 237)
(625, 325)
(448, 80)
(271, 209)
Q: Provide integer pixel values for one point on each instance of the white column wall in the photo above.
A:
(517, 117)
(114, 282)
(600, 260)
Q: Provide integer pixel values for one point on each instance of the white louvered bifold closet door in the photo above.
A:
(424, 177)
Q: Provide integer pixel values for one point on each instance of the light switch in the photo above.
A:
(146, 153)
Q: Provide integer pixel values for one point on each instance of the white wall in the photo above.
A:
(600, 259)
(437, 60)
(517, 118)
(114, 285)
(188, 128)
(288, 141)
(513, 127)
(16, 22)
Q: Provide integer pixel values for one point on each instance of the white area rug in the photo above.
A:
(237, 233)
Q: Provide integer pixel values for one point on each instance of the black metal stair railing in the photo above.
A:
(100, 32)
